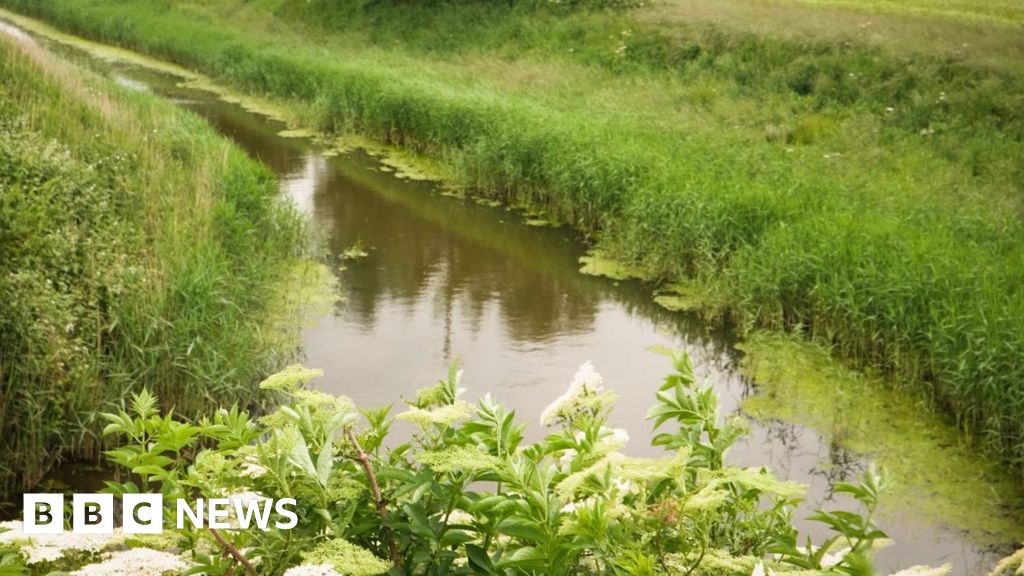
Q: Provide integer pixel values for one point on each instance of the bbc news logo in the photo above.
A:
(144, 513)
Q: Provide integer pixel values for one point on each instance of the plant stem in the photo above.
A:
(364, 459)
(233, 551)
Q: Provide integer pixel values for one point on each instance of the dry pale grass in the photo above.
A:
(995, 43)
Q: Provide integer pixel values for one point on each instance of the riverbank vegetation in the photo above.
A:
(464, 495)
(840, 183)
(136, 247)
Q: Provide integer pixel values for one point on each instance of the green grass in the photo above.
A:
(824, 183)
(997, 11)
(136, 247)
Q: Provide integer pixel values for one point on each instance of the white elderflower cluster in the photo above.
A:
(443, 415)
(612, 440)
(134, 562)
(587, 382)
(252, 469)
(572, 507)
(49, 547)
(312, 570)
(460, 517)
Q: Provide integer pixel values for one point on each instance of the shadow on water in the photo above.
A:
(447, 277)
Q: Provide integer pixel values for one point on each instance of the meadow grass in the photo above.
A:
(866, 197)
(137, 247)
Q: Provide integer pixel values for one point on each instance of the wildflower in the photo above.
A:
(345, 558)
(311, 570)
(586, 382)
(834, 558)
(289, 379)
(620, 436)
(460, 517)
(443, 415)
(709, 498)
(465, 459)
(567, 456)
(758, 569)
(49, 547)
(252, 469)
(134, 562)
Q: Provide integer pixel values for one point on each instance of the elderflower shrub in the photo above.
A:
(346, 558)
(585, 397)
(134, 562)
(465, 495)
(1012, 564)
(49, 549)
(312, 570)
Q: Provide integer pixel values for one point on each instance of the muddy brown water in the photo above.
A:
(447, 277)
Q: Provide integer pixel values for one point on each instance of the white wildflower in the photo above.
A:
(443, 415)
(567, 456)
(134, 562)
(833, 559)
(37, 554)
(460, 517)
(572, 507)
(50, 547)
(245, 499)
(312, 570)
(252, 469)
(586, 382)
(758, 569)
(620, 436)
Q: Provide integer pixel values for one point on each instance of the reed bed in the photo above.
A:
(137, 248)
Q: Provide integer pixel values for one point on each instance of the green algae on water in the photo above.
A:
(296, 133)
(689, 296)
(405, 163)
(541, 223)
(936, 475)
(597, 263)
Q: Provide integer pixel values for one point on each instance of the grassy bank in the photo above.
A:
(136, 246)
(827, 183)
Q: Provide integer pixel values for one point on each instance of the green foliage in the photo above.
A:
(864, 198)
(469, 498)
(123, 261)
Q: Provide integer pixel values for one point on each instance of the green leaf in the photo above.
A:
(521, 528)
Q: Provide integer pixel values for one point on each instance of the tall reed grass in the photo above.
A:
(869, 199)
(137, 247)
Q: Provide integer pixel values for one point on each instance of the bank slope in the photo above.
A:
(137, 247)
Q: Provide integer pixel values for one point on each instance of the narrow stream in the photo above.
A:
(447, 277)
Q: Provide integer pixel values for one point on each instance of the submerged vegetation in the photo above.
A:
(799, 383)
(136, 247)
(826, 184)
(464, 495)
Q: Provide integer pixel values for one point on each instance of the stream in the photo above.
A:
(447, 277)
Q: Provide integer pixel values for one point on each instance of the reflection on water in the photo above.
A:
(448, 278)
